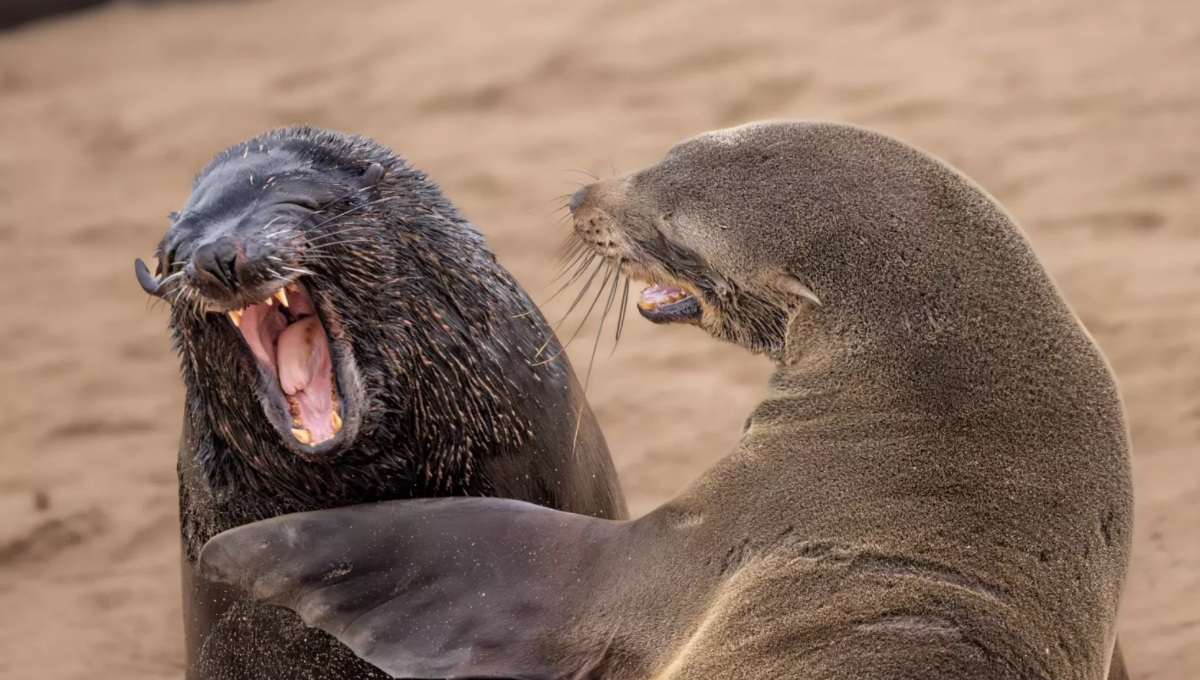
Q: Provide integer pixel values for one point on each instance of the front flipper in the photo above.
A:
(435, 588)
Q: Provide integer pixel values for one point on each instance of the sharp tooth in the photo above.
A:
(303, 436)
(269, 301)
(237, 318)
(646, 304)
(282, 297)
(337, 422)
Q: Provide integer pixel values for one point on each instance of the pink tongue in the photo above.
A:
(304, 373)
(260, 326)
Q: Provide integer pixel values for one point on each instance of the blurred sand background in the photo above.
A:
(1081, 116)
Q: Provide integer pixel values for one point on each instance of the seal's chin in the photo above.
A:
(664, 304)
(287, 337)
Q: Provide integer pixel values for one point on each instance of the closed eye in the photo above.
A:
(306, 203)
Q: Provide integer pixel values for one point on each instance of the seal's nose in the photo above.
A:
(577, 198)
(218, 261)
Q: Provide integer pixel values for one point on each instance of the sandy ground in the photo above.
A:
(1082, 116)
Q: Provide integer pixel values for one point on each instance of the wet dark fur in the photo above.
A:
(442, 348)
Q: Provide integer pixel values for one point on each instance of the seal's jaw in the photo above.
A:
(665, 304)
(297, 378)
(685, 289)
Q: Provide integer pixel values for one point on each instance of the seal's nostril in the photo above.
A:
(577, 199)
(219, 260)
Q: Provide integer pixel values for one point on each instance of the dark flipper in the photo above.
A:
(434, 588)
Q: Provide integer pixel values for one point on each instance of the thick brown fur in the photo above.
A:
(936, 487)
(434, 346)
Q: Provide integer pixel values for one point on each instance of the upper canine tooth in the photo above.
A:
(282, 297)
(237, 318)
(337, 422)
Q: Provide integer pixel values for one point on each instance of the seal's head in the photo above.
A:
(681, 225)
(324, 296)
(748, 231)
(243, 257)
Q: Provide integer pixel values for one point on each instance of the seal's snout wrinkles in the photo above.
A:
(220, 262)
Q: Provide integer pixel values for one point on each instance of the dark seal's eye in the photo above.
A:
(306, 203)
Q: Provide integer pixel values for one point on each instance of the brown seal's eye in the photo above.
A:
(664, 225)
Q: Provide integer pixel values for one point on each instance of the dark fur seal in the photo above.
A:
(14, 13)
(936, 487)
(346, 336)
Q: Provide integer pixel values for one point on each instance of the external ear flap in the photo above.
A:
(373, 174)
(792, 286)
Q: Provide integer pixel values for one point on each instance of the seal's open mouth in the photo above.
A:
(289, 340)
(664, 304)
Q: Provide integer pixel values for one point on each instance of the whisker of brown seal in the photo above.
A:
(587, 286)
(563, 199)
(579, 297)
(563, 221)
(575, 270)
(572, 245)
(588, 313)
(587, 172)
(558, 209)
(579, 265)
(599, 294)
(621, 314)
(568, 258)
(596, 345)
(584, 262)
(556, 198)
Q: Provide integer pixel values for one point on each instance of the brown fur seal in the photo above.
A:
(936, 487)
(346, 337)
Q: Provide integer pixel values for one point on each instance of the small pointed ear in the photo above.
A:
(792, 286)
(373, 174)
